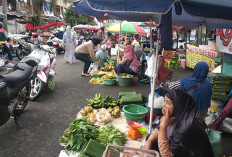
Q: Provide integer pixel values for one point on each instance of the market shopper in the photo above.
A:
(179, 133)
(85, 52)
(129, 63)
(164, 73)
(60, 33)
(69, 42)
(198, 87)
(101, 34)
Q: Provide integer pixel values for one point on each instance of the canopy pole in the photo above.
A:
(119, 42)
(153, 82)
(150, 37)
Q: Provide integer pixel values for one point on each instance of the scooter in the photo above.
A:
(6, 67)
(23, 48)
(46, 60)
(15, 89)
(55, 42)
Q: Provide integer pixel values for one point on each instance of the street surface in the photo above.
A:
(45, 119)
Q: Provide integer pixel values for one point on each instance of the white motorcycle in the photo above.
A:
(46, 59)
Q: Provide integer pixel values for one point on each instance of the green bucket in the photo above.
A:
(125, 81)
(134, 111)
(109, 82)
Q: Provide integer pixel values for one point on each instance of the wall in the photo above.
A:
(14, 27)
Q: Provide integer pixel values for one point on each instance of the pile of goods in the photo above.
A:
(109, 76)
(78, 134)
(125, 98)
(110, 135)
(220, 86)
(96, 80)
(82, 136)
(124, 75)
(107, 67)
(114, 112)
(99, 102)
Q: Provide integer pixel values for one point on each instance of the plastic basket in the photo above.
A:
(116, 151)
(134, 111)
(124, 81)
(110, 82)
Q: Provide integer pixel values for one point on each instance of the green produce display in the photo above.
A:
(99, 102)
(93, 149)
(78, 134)
(110, 135)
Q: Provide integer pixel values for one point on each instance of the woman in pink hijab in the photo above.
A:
(129, 63)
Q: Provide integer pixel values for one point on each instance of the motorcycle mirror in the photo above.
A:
(2, 62)
(31, 62)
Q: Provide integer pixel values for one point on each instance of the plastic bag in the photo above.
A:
(215, 140)
(226, 125)
(210, 119)
(158, 101)
(150, 65)
(103, 116)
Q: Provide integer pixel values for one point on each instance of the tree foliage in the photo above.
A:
(38, 7)
(74, 19)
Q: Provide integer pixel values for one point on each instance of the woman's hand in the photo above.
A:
(166, 120)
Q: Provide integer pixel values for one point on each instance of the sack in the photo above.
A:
(158, 101)
(215, 141)
(150, 66)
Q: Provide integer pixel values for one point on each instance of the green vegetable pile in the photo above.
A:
(78, 134)
(110, 135)
(99, 102)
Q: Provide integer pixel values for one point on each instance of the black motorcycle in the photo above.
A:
(15, 89)
(23, 49)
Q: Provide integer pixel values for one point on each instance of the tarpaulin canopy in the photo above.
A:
(139, 13)
(201, 8)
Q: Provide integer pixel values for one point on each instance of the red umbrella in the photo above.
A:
(223, 114)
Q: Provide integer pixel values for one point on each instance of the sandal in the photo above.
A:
(85, 74)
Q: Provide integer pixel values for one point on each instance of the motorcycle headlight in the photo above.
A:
(40, 67)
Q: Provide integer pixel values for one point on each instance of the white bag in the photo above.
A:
(103, 116)
(158, 101)
(150, 65)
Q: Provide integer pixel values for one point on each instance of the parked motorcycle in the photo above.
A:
(46, 59)
(24, 48)
(6, 67)
(55, 42)
(15, 89)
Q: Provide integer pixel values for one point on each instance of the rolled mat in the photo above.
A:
(136, 98)
(126, 93)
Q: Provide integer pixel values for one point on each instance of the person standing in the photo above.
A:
(3, 38)
(101, 34)
(85, 52)
(69, 41)
(60, 33)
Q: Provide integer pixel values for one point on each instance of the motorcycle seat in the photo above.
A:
(52, 56)
(20, 74)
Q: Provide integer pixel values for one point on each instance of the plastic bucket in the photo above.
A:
(124, 81)
(109, 82)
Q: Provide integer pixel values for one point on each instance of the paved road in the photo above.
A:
(45, 119)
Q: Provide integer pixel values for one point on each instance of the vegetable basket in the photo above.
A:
(134, 111)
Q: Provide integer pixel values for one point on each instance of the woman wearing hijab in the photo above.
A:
(85, 52)
(198, 87)
(164, 73)
(179, 133)
(100, 54)
(129, 63)
(69, 41)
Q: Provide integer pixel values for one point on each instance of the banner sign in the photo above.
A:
(195, 54)
(223, 40)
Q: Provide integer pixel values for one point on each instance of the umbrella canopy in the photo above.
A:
(126, 27)
(87, 27)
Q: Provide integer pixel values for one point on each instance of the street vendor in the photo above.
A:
(129, 63)
(164, 73)
(100, 55)
(179, 133)
(85, 52)
(198, 87)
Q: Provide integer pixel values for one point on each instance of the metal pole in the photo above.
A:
(150, 37)
(119, 42)
(153, 82)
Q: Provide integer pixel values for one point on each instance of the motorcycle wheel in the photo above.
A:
(19, 53)
(22, 98)
(37, 86)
